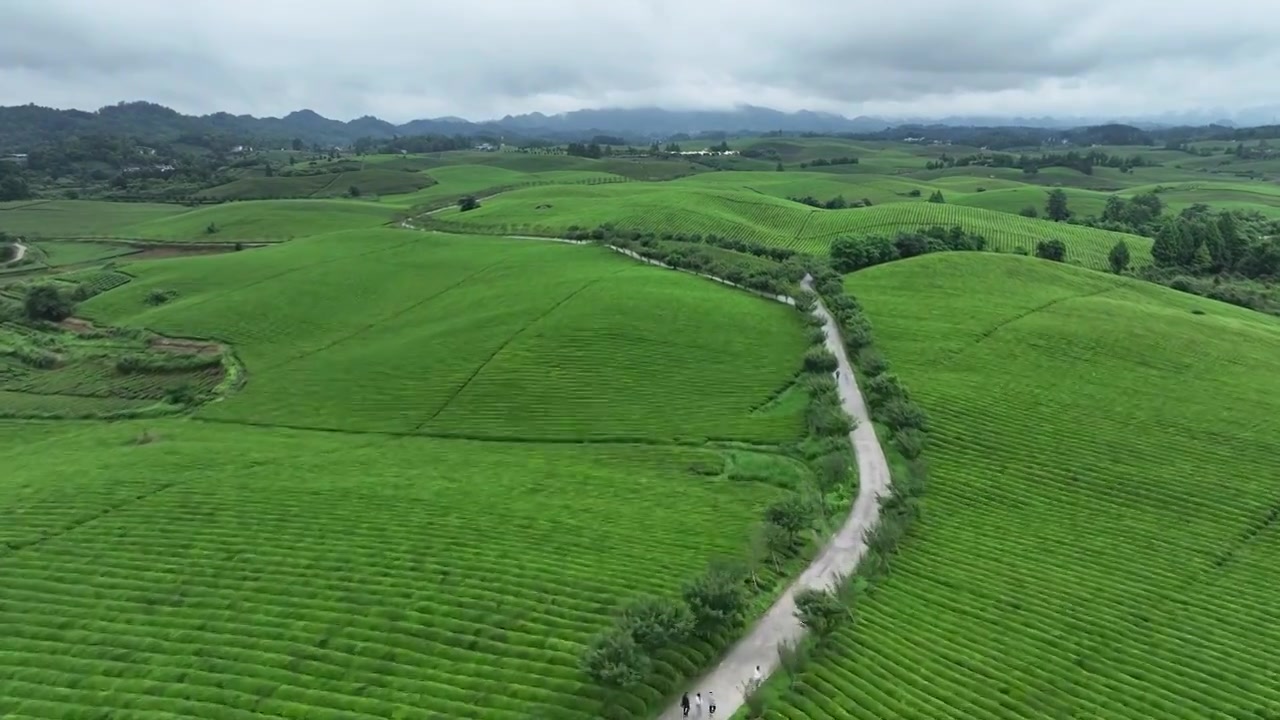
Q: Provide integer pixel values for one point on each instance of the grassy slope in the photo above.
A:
(676, 208)
(404, 332)
(226, 572)
(79, 218)
(1099, 537)
(262, 220)
(249, 220)
(227, 568)
(374, 181)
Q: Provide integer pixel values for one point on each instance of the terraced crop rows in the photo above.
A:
(243, 572)
(22, 405)
(98, 377)
(477, 337)
(1091, 548)
(97, 281)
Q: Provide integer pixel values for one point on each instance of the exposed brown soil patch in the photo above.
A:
(79, 326)
(159, 252)
(185, 346)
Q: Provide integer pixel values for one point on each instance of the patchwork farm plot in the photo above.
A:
(77, 370)
(1100, 533)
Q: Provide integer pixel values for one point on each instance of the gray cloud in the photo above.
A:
(404, 59)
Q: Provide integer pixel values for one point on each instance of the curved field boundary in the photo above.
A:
(839, 558)
(728, 680)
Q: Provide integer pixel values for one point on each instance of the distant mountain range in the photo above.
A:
(25, 126)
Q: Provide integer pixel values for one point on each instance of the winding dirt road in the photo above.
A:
(840, 556)
(20, 251)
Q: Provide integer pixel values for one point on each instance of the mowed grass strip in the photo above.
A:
(1099, 534)
(231, 572)
(395, 331)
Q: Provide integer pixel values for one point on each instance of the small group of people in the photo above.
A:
(697, 704)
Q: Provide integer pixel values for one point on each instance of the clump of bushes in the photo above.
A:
(159, 297)
(855, 253)
(31, 356)
(1054, 250)
(47, 302)
(142, 363)
(689, 252)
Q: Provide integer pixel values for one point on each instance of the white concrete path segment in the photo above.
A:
(839, 557)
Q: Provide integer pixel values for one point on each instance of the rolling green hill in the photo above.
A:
(1100, 535)
(79, 218)
(375, 181)
(752, 216)
(453, 460)
(396, 331)
(206, 570)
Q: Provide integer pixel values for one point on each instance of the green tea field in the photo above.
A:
(221, 571)
(513, 328)
(765, 219)
(1100, 531)
(310, 440)
(452, 460)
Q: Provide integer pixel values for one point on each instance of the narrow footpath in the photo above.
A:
(20, 251)
(840, 557)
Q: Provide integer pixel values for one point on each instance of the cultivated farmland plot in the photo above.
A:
(224, 571)
(751, 216)
(1092, 548)
(519, 344)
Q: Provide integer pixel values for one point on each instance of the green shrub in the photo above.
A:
(165, 363)
(910, 442)
(901, 414)
(717, 600)
(792, 515)
(47, 302)
(820, 360)
(871, 362)
(614, 660)
(820, 611)
(159, 297)
(655, 623)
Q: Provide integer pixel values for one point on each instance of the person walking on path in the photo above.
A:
(757, 679)
(697, 704)
(684, 704)
(711, 704)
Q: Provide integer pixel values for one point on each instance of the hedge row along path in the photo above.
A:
(760, 647)
(839, 558)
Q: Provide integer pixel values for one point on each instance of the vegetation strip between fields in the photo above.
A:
(728, 681)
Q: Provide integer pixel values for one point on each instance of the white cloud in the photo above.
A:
(404, 59)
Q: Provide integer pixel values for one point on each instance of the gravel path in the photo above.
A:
(840, 557)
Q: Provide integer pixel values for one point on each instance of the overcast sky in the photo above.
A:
(406, 59)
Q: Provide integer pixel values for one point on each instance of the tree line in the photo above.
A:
(1031, 164)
